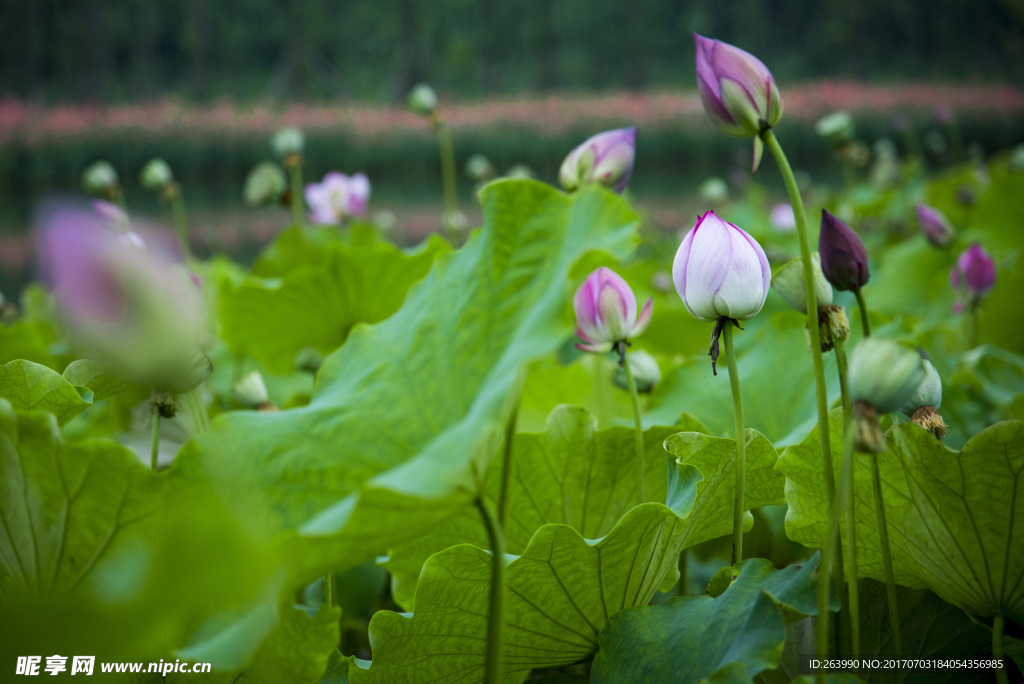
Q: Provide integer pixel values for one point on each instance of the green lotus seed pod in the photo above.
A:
(646, 372)
(928, 393)
(250, 390)
(265, 184)
(288, 141)
(422, 100)
(99, 178)
(789, 283)
(836, 127)
(714, 190)
(884, 374)
(479, 168)
(156, 174)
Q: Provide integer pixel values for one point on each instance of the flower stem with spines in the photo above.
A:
(825, 568)
(639, 428)
(741, 445)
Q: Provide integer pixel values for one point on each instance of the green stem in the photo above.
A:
(998, 624)
(851, 600)
(972, 327)
(824, 573)
(181, 225)
(154, 448)
(865, 326)
(298, 201)
(639, 428)
(447, 149)
(741, 446)
(684, 579)
(329, 590)
(496, 603)
(883, 538)
(506, 463)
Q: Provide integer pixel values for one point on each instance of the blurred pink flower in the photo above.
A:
(337, 196)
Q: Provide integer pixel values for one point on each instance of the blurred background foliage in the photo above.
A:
(107, 50)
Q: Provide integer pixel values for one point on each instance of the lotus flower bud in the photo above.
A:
(789, 283)
(129, 304)
(884, 374)
(336, 196)
(719, 270)
(99, 178)
(836, 127)
(251, 391)
(646, 372)
(606, 312)
(520, 171)
(782, 217)
(479, 168)
(714, 190)
(606, 158)
(974, 274)
(265, 184)
(422, 100)
(288, 141)
(737, 90)
(156, 174)
(844, 259)
(935, 227)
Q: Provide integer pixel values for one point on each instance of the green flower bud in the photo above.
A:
(646, 372)
(836, 127)
(422, 100)
(288, 141)
(884, 374)
(265, 184)
(250, 390)
(156, 174)
(99, 178)
(788, 282)
(713, 190)
(479, 168)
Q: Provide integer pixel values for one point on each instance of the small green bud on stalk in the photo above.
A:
(646, 372)
(422, 100)
(288, 141)
(156, 174)
(265, 184)
(251, 391)
(100, 179)
(882, 377)
(837, 127)
(480, 169)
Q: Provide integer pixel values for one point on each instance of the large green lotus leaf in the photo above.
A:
(695, 638)
(32, 340)
(571, 474)
(955, 520)
(98, 556)
(29, 386)
(297, 650)
(273, 319)
(296, 247)
(779, 403)
(586, 382)
(408, 412)
(563, 587)
(96, 376)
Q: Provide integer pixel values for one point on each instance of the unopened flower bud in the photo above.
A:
(288, 141)
(789, 283)
(974, 275)
(99, 178)
(265, 184)
(155, 174)
(646, 372)
(606, 158)
(251, 391)
(844, 259)
(479, 168)
(935, 227)
(836, 127)
(737, 90)
(714, 190)
(606, 312)
(720, 270)
(422, 100)
(884, 374)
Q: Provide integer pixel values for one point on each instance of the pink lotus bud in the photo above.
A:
(606, 312)
(739, 94)
(127, 302)
(607, 158)
(844, 259)
(719, 270)
(974, 274)
(337, 196)
(935, 226)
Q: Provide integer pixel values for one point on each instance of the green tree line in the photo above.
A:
(116, 50)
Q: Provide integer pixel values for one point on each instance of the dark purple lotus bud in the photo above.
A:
(844, 260)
